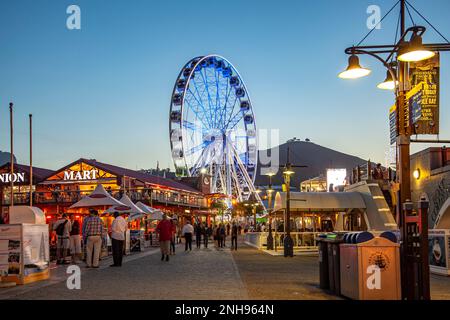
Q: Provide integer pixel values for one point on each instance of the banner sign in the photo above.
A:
(393, 124)
(423, 99)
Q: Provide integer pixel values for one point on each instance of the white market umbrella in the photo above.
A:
(98, 197)
(152, 213)
(130, 208)
(145, 207)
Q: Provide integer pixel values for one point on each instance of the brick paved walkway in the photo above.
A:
(201, 274)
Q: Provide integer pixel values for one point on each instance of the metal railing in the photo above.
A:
(365, 172)
(67, 197)
(302, 240)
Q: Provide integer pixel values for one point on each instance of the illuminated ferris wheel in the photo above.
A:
(213, 128)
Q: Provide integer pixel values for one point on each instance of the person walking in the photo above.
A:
(174, 235)
(118, 229)
(234, 234)
(165, 230)
(223, 235)
(206, 233)
(217, 235)
(228, 229)
(75, 239)
(199, 230)
(93, 232)
(187, 232)
(62, 227)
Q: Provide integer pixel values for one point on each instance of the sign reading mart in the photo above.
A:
(80, 175)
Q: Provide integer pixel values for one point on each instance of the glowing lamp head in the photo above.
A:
(416, 174)
(414, 50)
(288, 170)
(354, 69)
(203, 170)
(388, 83)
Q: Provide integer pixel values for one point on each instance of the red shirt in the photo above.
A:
(165, 230)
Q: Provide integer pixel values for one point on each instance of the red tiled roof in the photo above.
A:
(144, 177)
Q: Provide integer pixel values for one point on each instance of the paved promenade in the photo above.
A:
(211, 273)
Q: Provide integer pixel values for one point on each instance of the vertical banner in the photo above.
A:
(393, 124)
(423, 98)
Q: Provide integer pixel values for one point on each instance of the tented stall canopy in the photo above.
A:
(153, 214)
(99, 197)
(128, 207)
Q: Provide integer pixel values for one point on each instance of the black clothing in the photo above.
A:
(188, 239)
(117, 246)
(234, 242)
(75, 228)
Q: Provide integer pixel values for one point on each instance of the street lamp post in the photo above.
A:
(287, 240)
(404, 52)
(269, 196)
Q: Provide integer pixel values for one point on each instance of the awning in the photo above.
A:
(99, 197)
(320, 201)
(130, 207)
(152, 213)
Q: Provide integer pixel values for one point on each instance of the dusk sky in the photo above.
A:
(104, 91)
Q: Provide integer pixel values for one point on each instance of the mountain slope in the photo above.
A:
(5, 157)
(317, 158)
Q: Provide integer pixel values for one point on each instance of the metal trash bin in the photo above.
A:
(334, 268)
(370, 267)
(323, 262)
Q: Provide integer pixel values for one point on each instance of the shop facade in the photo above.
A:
(55, 191)
(21, 185)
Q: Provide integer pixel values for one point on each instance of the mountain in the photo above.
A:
(5, 157)
(305, 153)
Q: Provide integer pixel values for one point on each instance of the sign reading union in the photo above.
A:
(80, 175)
(16, 177)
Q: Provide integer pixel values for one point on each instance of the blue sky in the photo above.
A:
(103, 91)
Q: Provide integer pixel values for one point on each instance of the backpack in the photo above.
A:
(60, 228)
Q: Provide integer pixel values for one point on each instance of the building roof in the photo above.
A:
(38, 173)
(144, 177)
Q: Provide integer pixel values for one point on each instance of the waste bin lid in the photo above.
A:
(390, 236)
(361, 237)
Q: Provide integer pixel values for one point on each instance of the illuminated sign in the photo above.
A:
(80, 175)
(423, 98)
(336, 178)
(16, 177)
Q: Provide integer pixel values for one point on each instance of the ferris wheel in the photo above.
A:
(212, 127)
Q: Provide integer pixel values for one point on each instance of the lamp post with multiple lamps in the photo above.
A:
(269, 209)
(399, 55)
(288, 171)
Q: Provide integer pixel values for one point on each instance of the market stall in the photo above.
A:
(99, 199)
(24, 246)
(152, 218)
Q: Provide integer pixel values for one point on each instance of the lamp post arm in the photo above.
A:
(358, 51)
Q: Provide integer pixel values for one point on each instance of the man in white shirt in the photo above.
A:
(187, 232)
(118, 229)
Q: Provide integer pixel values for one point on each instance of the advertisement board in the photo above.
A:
(10, 250)
(36, 255)
(438, 251)
(423, 98)
(24, 252)
(336, 178)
